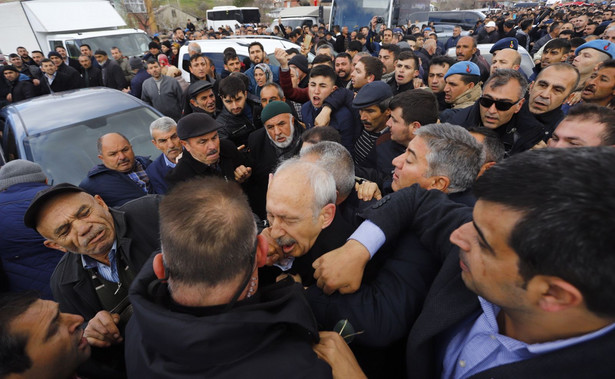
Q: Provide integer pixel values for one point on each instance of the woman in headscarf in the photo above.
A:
(262, 76)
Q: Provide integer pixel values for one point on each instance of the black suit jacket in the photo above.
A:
(62, 82)
(136, 227)
(113, 76)
(434, 217)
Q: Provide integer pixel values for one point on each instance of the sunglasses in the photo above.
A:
(499, 104)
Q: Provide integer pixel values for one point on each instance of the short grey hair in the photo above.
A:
(453, 152)
(277, 87)
(502, 76)
(163, 124)
(194, 48)
(336, 159)
(321, 181)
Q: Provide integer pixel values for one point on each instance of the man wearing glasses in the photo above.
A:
(501, 108)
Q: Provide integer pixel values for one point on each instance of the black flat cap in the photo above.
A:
(198, 87)
(100, 52)
(41, 198)
(372, 93)
(195, 125)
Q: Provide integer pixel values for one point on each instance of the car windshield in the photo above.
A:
(132, 44)
(67, 154)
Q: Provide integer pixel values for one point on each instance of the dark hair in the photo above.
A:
(404, 55)
(13, 356)
(373, 66)
(576, 42)
(526, 23)
(153, 45)
(416, 105)
(152, 61)
(176, 29)
(86, 45)
(558, 43)
(355, 46)
(207, 232)
(45, 60)
(565, 33)
(441, 60)
(492, 145)
(325, 133)
(563, 230)
(554, 26)
(467, 79)
(322, 58)
(323, 70)
(359, 36)
(343, 55)
(37, 51)
(13, 55)
(230, 57)
(598, 115)
(229, 50)
(393, 49)
(231, 86)
(256, 44)
(195, 57)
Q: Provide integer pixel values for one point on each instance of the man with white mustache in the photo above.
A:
(267, 147)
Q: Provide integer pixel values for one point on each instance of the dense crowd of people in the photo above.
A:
(383, 210)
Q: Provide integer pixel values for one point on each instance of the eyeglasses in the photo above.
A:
(499, 104)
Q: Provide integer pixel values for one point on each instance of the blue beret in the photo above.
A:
(372, 93)
(601, 45)
(505, 43)
(463, 68)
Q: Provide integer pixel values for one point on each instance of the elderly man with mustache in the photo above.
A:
(104, 249)
(205, 154)
(164, 137)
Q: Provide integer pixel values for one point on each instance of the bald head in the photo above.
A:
(115, 152)
(506, 58)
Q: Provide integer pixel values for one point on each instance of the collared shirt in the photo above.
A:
(168, 162)
(369, 235)
(51, 78)
(107, 272)
(476, 345)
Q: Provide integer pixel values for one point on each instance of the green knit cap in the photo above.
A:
(273, 109)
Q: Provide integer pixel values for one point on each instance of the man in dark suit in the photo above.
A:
(73, 74)
(525, 287)
(164, 137)
(52, 80)
(112, 74)
(92, 76)
(74, 63)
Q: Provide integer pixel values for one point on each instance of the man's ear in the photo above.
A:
(101, 202)
(440, 183)
(52, 245)
(484, 168)
(555, 294)
(328, 214)
(261, 250)
(519, 105)
(158, 265)
(100, 157)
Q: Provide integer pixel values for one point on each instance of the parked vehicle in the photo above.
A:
(223, 16)
(527, 64)
(299, 16)
(43, 25)
(466, 19)
(60, 131)
(358, 13)
(214, 49)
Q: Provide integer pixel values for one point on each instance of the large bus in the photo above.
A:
(232, 16)
(357, 13)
